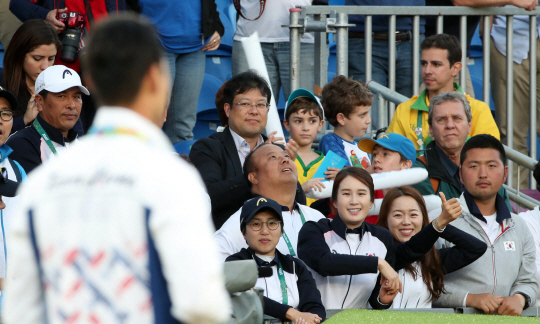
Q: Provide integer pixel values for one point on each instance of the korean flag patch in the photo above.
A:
(509, 246)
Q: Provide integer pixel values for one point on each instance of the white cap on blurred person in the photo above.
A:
(58, 78)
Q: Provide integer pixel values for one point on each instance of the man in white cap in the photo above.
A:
(59, 99)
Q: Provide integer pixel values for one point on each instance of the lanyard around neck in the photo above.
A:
(44, 135)
(282, 283)
(419, 131)
(286, 238)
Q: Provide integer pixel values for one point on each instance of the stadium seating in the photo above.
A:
(207, 116)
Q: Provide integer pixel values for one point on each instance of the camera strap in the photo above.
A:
(89, 12)
(238, 8)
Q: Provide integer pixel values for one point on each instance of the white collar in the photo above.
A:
(110, 117)
(239, 140)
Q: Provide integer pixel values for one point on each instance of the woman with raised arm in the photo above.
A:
(420, 265)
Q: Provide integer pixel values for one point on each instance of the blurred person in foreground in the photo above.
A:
(99, 237)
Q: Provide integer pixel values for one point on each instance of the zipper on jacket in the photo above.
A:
(493, 254)
(350, 277)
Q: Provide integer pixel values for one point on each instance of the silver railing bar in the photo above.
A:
(418, 10)
(510, 94)
(532, 93)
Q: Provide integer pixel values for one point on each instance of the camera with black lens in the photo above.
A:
(71, 37)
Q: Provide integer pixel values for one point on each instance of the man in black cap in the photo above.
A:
(11, 172)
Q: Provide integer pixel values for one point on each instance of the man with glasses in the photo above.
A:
(220, 157)
(59, 100)
(11, 172)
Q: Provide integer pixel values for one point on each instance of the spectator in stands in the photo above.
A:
(390, 152)
(187, 30)
(380, 53)
(449, 122)
(8, 23)
(270, 173)
(12, 172)
(521, 102)
(451, 24)
(33, 49)
(300, 302)
(346, 254)
(441, 61)
(304, 118)
(404, 213)
(59, 100)
(114, 224)
(486, 216)
(267, 21)
(220, 157)
(346, 104)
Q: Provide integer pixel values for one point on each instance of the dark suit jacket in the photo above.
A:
(216, 158)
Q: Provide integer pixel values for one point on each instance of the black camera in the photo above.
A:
(71, 37)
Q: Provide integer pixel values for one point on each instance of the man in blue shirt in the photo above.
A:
(380, 52)
(187, 29)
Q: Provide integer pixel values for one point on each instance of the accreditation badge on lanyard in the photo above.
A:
(283, 284)
(286, 238)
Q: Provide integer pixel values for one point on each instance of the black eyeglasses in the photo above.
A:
(6, 115)
(257, 225)
(4, 175)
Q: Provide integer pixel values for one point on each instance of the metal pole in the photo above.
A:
(391, 62)
(510, 93)
(487, 60)
(440, 24)
(416, 54)
(368, 33)
(532, 93)
(342, 46)
(321, 52)
(381, 109)
(463, 41)
(294, 54)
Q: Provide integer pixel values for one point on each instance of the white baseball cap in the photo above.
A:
(58, 78)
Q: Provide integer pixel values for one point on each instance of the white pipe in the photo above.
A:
(432, 202)
(383, 180)
(255, 60)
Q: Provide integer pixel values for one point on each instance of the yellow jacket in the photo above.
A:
(406, 117)
(306, 172)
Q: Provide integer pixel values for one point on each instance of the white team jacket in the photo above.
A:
(123, 233)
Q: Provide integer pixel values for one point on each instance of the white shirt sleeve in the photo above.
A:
(23, 298)
(229, 238)
(181, 227)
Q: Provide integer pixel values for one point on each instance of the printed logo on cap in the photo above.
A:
(64, 74)
(261, 199)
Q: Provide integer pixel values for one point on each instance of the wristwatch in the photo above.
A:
(527, 299)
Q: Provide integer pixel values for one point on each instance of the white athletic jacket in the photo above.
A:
(116, 230)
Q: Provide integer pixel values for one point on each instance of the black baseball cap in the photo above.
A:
(10, 98)
(258, 204)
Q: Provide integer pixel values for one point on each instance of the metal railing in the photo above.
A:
(520, 159)
(334, 19)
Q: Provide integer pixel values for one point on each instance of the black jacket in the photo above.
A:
(26, 144)
(310, 297)
(216, 158)
(466, 250)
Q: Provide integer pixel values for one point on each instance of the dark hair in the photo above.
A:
(430, 265)
(220, 103)
(119, 53)
(31, 34)
(305, 105)
(343, 95)
(483, 141)
(445, 42)
(244, 82)
(249, 163)
(357, 173)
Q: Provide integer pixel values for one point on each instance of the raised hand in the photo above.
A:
(451, 210)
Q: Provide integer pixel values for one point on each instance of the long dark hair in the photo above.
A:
(29, 36)
(432, 272)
